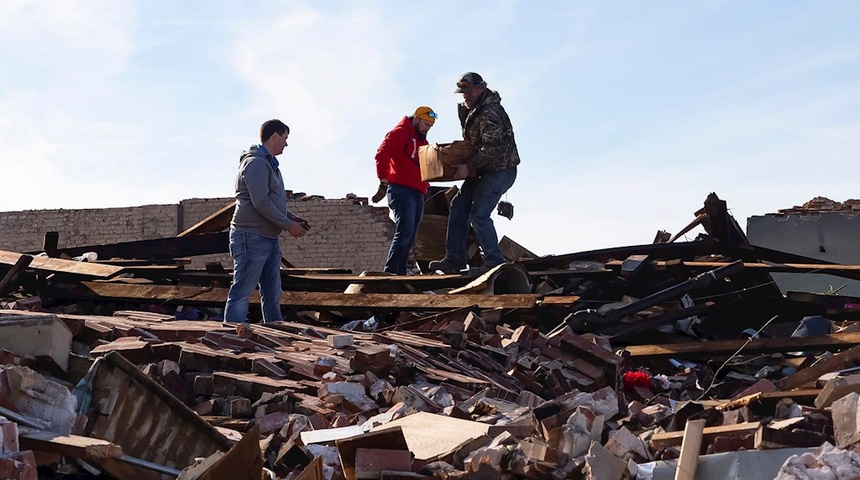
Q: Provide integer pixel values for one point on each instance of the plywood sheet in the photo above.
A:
(432, 436)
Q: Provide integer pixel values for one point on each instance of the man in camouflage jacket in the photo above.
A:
(489, 174)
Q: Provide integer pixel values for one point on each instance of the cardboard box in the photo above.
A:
(436, 159)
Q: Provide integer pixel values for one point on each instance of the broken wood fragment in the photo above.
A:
(7, 283)
(810, 374)
(690, 446)
(728, 347)
(674, 439)
(216, 222)
(76, 446)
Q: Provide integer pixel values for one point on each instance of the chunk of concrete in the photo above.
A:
(837, 388)
(44, 338)
(846, 420)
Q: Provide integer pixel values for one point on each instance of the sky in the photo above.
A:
(626, 114)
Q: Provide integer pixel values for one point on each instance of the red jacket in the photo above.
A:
(397, 157)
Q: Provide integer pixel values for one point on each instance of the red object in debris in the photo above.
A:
(633, 379)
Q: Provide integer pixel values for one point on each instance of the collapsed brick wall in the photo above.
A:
(344, 234)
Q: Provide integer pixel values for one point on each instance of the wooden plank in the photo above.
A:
(58, 265)
(728, 347)
(303, 300)
(443, 375)
(434, 319)
(559, 300)
(772, 437)
(408, 279)
(158, 248)
(410, 339)
(87, 448)
(765, 396)
(690, 446)
(339, 282)
(655, 250)
(673, 439)
(430, 241)
(810, 374)
(515, 252)
(848, 271)
(216, 222)
(7, 283)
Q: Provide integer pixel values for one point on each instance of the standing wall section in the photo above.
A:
(345, 233)
(827, 236)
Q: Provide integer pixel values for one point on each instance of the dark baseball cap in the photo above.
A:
(467, 81)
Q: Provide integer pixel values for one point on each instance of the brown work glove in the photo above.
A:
(380, 193)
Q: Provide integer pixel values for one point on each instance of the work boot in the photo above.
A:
(445, 266)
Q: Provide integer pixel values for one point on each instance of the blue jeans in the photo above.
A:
(256, 261)
(473, 204)
(407, 204)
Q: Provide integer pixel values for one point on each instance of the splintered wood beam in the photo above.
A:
(674, 439)
(340, 282)
(655, 250)
(810, 374)
(158, 248)
(216, 222)
(182, 295)
(7, 283)
(799, 396)
(58, 265)
(690, 446)
(87, 448)
(729, 347)
(848, 271)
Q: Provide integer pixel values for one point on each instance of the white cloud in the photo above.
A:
(626, 118)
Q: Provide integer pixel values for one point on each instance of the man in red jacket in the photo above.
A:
(400, 175)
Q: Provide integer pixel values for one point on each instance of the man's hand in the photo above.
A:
(301, 221)
(380, 192)
(462, 171)
(297, 230)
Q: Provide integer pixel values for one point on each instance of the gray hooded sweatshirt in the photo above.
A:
(261, 199)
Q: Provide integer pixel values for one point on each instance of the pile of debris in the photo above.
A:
(626, 362)
(823, 204)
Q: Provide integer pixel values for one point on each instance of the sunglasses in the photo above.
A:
(464, 85)
(432, 115)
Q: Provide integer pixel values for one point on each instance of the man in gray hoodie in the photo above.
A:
(259, 218)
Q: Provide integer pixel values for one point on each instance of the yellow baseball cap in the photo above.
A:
(426, 113)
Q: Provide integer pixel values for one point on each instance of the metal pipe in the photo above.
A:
(149, 465)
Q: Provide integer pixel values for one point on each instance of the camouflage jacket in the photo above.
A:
(489, 128)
